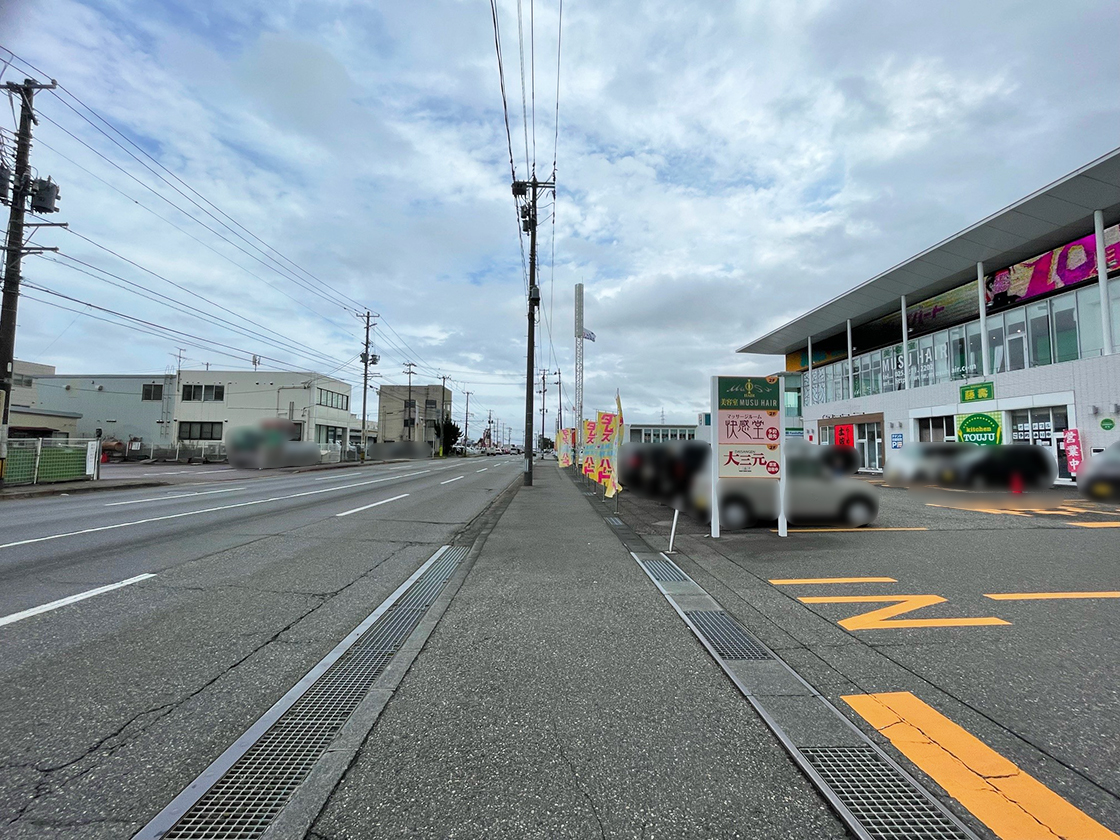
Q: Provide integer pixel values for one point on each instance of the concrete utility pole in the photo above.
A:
(42, 195)
(579, 374)
(367, 360)
(443, 379)
(467, 420)
(530, 191)
(490, 428)
(544, 391)
(408, 406)
(559, 402)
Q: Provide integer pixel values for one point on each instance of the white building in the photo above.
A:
(211, 402)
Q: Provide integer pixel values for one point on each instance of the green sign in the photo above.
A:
(978, 392)
(1108, 424)
(982, 428)
(751, 392)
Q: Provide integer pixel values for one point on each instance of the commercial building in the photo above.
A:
(659, 432)
(210, 402)
(29, 417)
(124, 406)
(1006, 332)
(411, 414)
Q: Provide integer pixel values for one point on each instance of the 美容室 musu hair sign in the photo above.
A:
(748, 435)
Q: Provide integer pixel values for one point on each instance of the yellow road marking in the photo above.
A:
(1011, 803)
(786, 581)
(1095, 524)
(828, 530)
(1049, 596)
(900, 604)
(978, 509)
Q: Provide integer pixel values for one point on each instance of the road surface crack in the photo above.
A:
(579, 784)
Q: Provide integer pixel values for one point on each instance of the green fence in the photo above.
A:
(45, 461)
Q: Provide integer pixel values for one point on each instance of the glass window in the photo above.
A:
(830, 384)
(152, 393)
(192, 393)
(941, 356)
(876, 372)
(912, 361)
(975, 349)
(208, 393)
(1038, 320)
(1015, 328)
(1064, 317)
(958, 361)
(1021, 426)
(1089, 321)
(925, 359)
(997, 359)
(1114, 310)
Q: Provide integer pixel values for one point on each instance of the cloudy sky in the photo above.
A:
(721, 168)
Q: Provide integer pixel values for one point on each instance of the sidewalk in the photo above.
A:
(560, 696)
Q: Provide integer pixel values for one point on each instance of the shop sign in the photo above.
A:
(748, 392)
(1108, 424)
(749, 427)
(978, 392)
(1073, 450)
(896, 440)
(983, 428)
(795, 433)
(749, 461)
(844, 435)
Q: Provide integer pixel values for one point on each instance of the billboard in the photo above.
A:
(984, 428)
(1072, 264)
(748, 419)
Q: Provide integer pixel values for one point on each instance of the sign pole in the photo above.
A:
(715, 457)
(783, 531)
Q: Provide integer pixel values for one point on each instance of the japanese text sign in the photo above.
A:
(1074, 453)
(844, 435)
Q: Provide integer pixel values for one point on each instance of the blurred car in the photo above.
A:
(1008, 466)
(815, 492)
(1099, 477)
(923, 463)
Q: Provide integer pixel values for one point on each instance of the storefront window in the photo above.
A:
(1015, 325)
(1038, 320)
(958, 360)
(912, 360)
(941, 356)
(1089, 321)
(975, 349)
(869, 442)
(997, 363)
(876, 372)
(1114, 310)
(925, 360)
(1064, 318)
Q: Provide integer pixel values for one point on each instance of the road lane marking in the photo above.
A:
(375, 504)
(484, 469)
(176, 496)
(1095, 524)
(71, 599)
(789, 581)
(456, 478)
(205, 510)
(829, 530)
(1014, 805)
(204, 472)
(1049, 596)
(883, 618)
(178, 472)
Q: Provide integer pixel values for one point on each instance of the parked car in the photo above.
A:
(924, 463)
(1006, 466)
(1099, 477)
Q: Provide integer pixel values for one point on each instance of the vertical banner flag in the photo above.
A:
(614, 487)
(1072, 440)
(566, 439)
(607, 428)
(588, 465)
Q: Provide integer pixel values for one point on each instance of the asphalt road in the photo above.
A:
(110, 705)
(1034, 679)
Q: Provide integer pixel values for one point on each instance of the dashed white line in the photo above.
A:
(204, 472)
(484, 469)
(176, 496)
(456, 478)
(205, 510)
(375, 504)
(72, 599)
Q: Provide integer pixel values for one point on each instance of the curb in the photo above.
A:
(84, 487)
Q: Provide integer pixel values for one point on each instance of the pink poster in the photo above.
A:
(1073, 450)
(749, 427)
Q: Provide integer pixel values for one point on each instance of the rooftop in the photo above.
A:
(1044, 220)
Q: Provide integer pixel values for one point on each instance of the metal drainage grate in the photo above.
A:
(242, 803)
(664, 572)
(615, 521)
(884, 802)
(724, 634)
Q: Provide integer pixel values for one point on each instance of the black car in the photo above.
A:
(1099, 477)
(1003, 467)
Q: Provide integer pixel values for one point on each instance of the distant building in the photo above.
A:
(124, 406)
(211, 402)
(356, 431)
(401, 418)
(28, 417)
(659, 432)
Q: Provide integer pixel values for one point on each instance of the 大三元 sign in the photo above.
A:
(749, 461)
(983, 428)
(978, 392)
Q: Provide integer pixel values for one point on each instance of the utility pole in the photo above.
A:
(409, 409)
(443, 379)
(559, 402)
(544, 392)
(490, 428)
(43, 195)
(579, 375)
(367, 360)
(530, 191)
(467, 420)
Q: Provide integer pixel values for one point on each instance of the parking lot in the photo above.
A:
(997, 613)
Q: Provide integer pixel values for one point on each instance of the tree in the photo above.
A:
(449, 434)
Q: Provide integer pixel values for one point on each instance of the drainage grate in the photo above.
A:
(615, 521)
(724, 634)
(882, 800)
(664, 572)
(242, 803)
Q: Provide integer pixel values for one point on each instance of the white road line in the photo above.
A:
(205, 510)
(453, 479)
(176, 496)
(223, 469)
(72, 599)
(375, 504)
(484, 469)
(178, 472)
